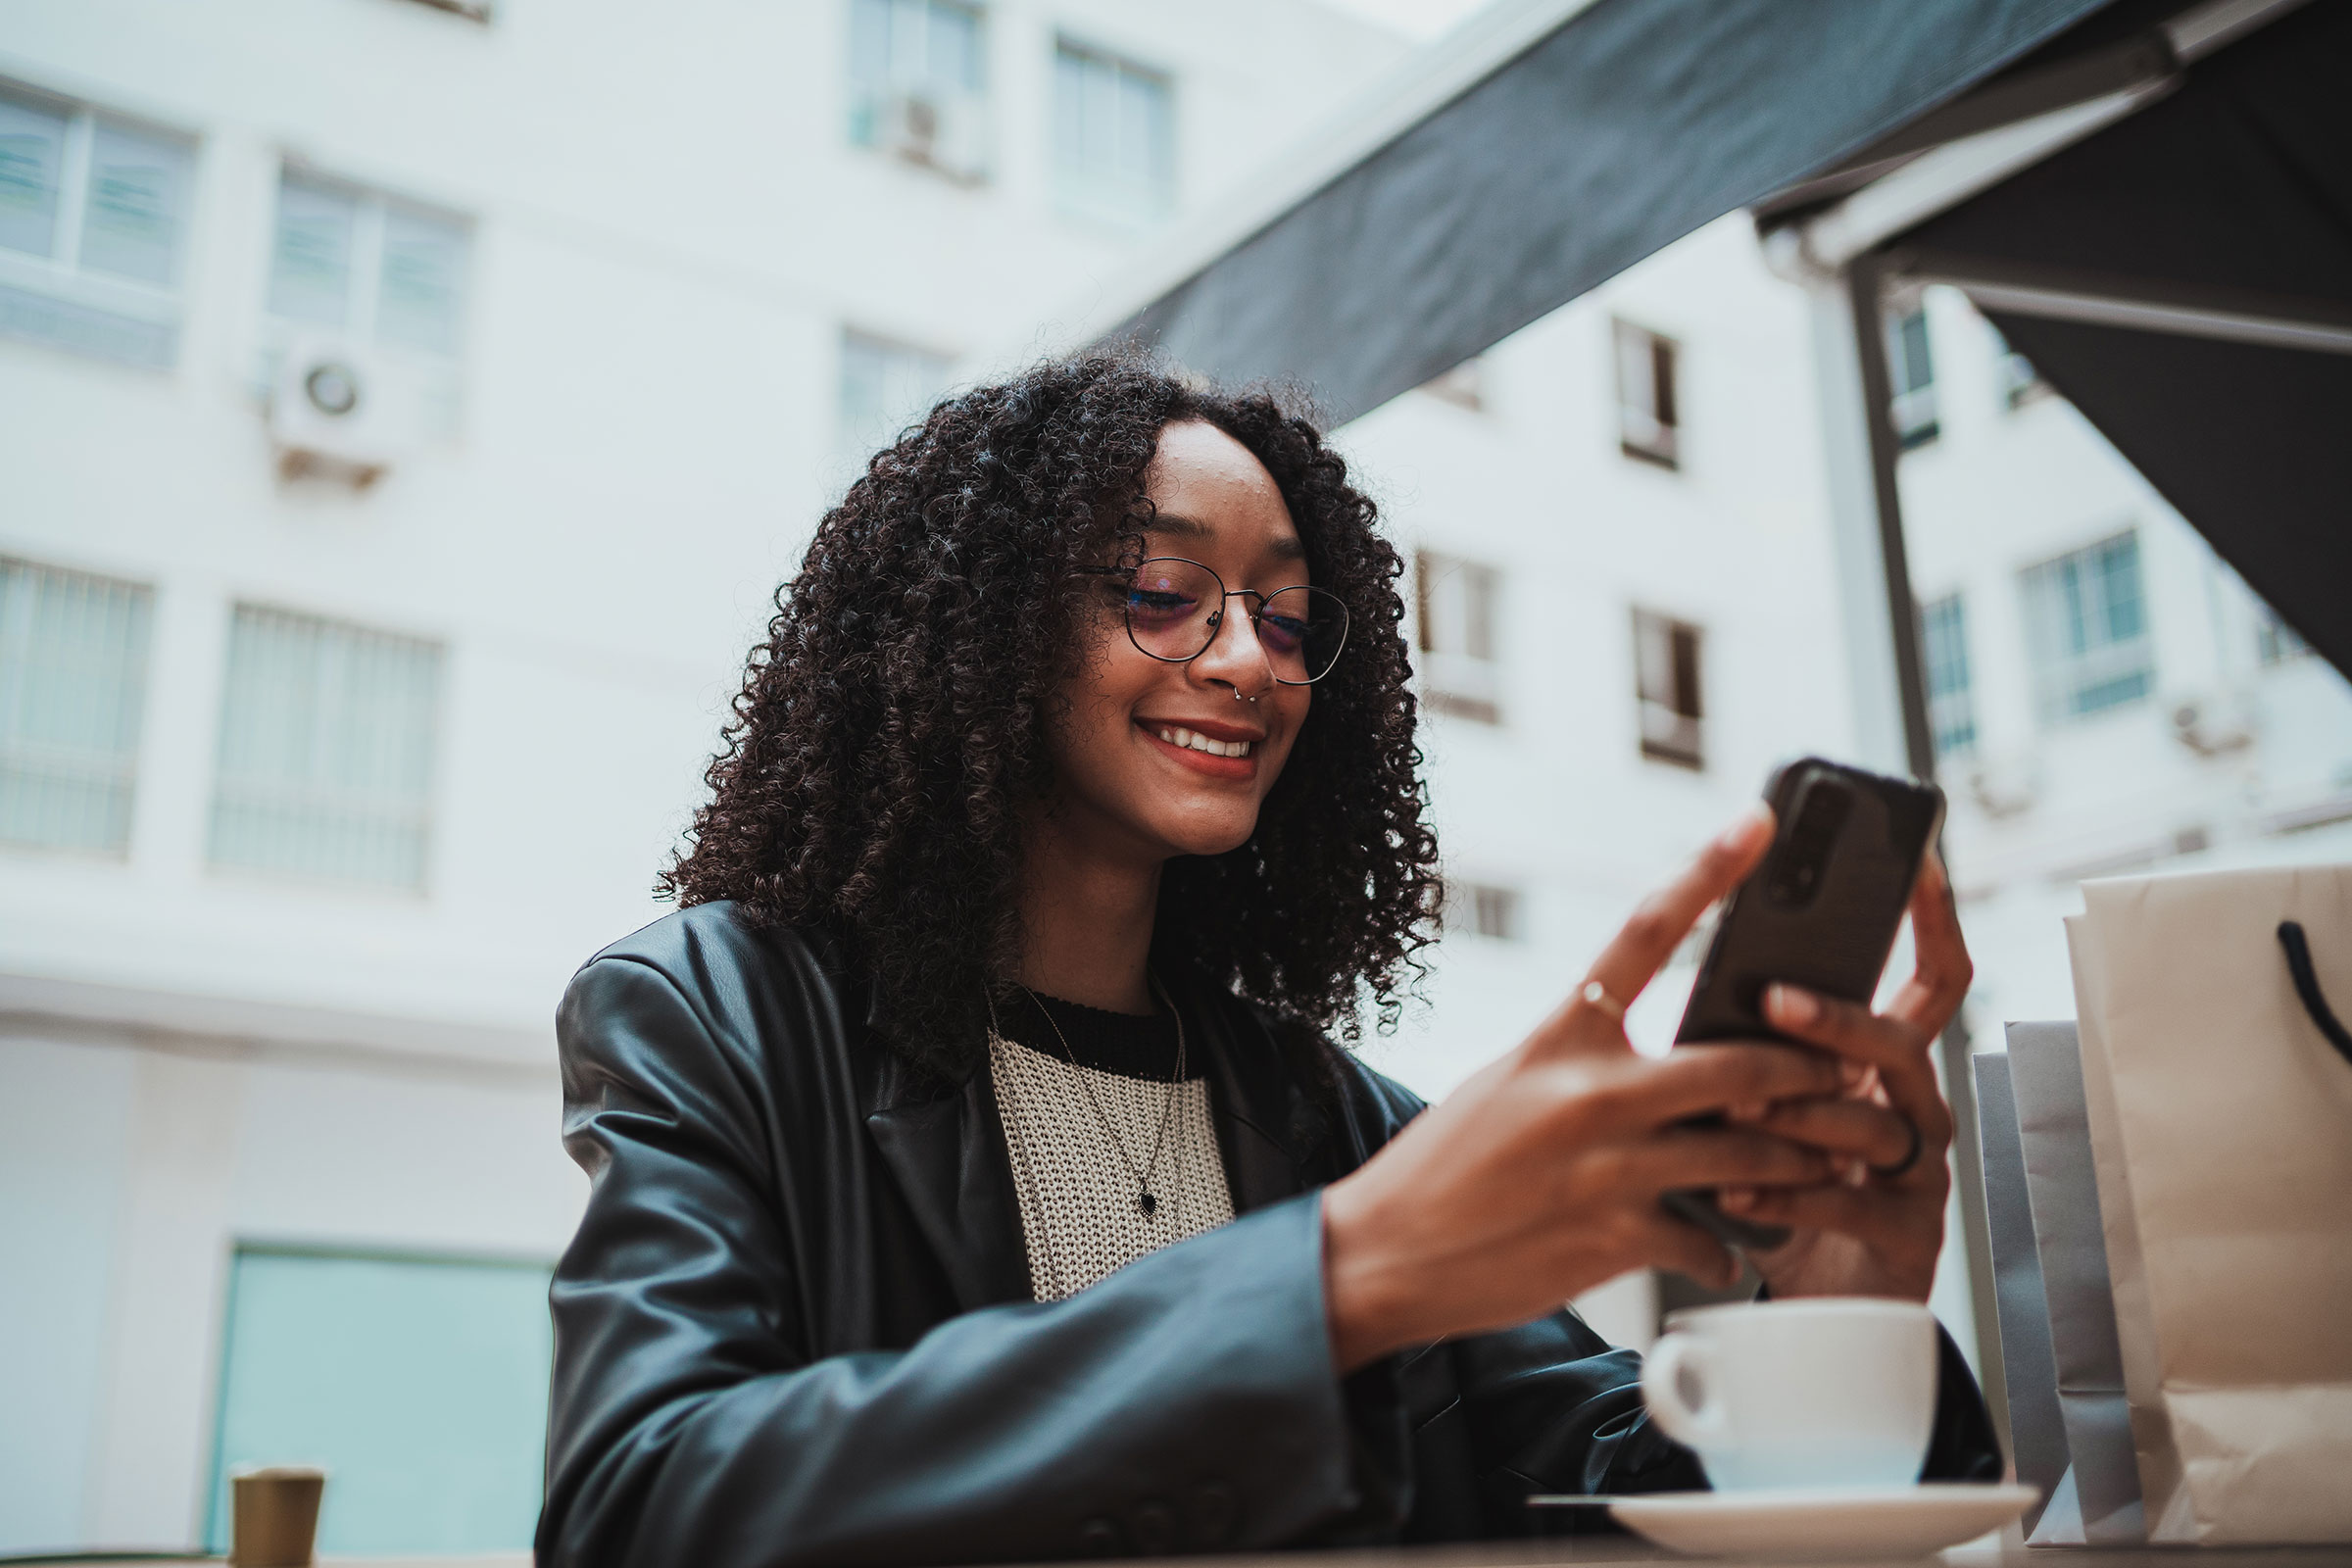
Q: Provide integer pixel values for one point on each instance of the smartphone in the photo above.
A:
(1820, 911)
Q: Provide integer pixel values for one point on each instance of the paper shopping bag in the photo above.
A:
(2036, 1433)
(2100, 1503)
(2220, 1124)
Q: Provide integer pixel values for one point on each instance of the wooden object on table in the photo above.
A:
(275, 1515)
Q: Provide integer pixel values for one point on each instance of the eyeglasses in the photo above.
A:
(1174, 607)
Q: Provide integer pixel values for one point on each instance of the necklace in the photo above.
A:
(1147, 1202)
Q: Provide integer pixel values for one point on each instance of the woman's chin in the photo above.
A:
(1208, 838)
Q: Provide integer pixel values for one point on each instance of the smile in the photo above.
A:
(1194, 740)
(1227, 753)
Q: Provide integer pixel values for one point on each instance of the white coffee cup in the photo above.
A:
(1832, 1392)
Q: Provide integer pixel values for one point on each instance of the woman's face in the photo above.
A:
(1143, 751)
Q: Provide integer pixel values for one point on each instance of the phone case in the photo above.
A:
(1833, 938)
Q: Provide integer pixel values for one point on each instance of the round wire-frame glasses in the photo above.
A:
(1174, 609)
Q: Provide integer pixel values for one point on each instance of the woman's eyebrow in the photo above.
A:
(1177, 523)
(1286, 548)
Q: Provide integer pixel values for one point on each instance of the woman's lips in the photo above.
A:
(1240, 768)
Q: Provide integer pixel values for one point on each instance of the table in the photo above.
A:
(1990, 1553)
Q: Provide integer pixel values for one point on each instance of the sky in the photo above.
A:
(1419, 19)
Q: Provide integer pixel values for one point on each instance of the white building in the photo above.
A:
(2109, 697)
(313, 792)
(1630, 612)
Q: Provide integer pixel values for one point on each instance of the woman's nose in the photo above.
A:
(1235, 656)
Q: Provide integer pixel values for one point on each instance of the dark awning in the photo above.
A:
(1629, 125)
(2185, 277)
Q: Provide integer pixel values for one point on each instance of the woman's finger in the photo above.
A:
(1717, 1157)
(1874, 1217)
(1648, 939)
(1685, 1249)
(1696, 1080)
(1897, 1047)
(1870, 1133)
(1941, 970)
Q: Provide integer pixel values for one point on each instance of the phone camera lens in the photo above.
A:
(1802, 856)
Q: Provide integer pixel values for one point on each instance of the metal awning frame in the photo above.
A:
(1842, 240)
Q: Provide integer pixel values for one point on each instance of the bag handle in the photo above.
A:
(2307, 986)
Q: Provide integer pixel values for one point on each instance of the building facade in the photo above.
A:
(1629, 611)
(2108, 697)
(409, 411)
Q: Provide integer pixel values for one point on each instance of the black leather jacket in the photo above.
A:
(796, 1326)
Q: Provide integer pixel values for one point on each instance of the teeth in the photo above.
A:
(1177, 736)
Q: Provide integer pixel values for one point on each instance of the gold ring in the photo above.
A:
(1595, 995)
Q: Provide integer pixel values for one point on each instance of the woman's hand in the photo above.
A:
(1539, 1177)
(1876, 1230)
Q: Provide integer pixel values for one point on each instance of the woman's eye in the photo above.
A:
(1285, 631)
(1159, 605)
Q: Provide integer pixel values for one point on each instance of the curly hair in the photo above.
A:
(893, 726)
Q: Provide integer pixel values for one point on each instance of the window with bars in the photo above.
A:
(1464, 387)
(1951, 696)
(365, 265)
(2274, 641)
(94, 220)
(1648, 420)
(885, 385)
(2089, 622)
(919, 82)
(1114, 135)
(1912, 368)
(1667, 682)
(326, 750)
(72, 686)
(1484, 910)
(1457, 603)
(471, 10)
(2014, 374)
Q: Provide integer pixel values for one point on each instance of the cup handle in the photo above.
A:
(1700, 1426)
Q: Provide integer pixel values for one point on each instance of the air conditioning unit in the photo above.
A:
(2005, 786)
(336, 410)
(938, 130)
(2213, 725)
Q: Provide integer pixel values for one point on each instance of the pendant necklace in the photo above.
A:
(1147, 1202)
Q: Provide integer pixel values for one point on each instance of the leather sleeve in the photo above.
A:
(1963, 1446)
(1551, 1408)
(1189, 1400)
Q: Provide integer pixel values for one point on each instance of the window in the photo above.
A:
(1115, 136)
(72, 682)
(1463, 387)
(2019, 383)
(1483, 909)
(885, 386)
(1646, 424)
(2089, 629)
(2274, 641)
(93, 215)
(326, 750)
(1913, 370)
(1951, 701)
(1455, 601)
(1666, 678)
(420, 1383)
(363, 265)
(918, 82)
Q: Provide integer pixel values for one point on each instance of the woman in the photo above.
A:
(1068, 806)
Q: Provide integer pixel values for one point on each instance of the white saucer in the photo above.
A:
(1909, 1522)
